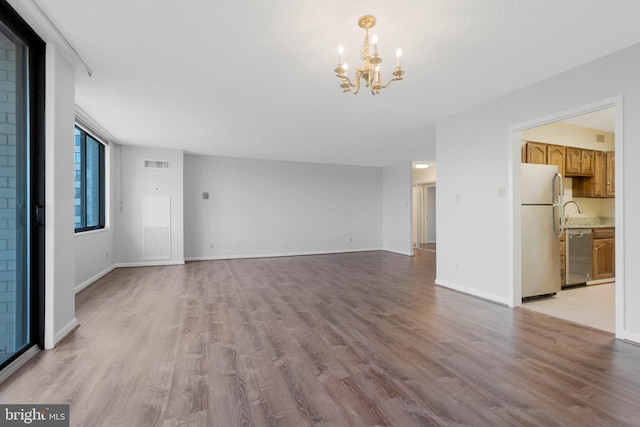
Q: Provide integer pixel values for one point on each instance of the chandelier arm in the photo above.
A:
(395, 79)
(348, 80)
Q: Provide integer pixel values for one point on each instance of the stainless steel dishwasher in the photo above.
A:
(578, 257)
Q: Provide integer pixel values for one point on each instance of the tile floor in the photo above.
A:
(592, 306)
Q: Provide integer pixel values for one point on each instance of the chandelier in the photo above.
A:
(370, 70)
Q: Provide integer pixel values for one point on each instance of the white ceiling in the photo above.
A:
(255, 78)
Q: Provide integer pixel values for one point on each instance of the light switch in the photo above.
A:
(502, 191)
(205, 195)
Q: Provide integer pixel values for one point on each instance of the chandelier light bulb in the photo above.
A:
(398, 55)
(374, 40)
(345, 66)
(340, 52)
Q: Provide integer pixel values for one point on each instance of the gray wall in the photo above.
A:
(267, 208)
(59, 226)
(137, 182)
(397, 207)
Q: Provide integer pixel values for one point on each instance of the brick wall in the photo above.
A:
(7, 200)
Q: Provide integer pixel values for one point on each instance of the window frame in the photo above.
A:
(102, 202)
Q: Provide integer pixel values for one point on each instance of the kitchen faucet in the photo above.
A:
(575, 203)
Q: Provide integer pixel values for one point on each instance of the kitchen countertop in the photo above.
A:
(600, 222)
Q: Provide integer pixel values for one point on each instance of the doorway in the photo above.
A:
(612, 207)
(424, 216)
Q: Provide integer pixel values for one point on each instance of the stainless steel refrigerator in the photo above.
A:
(541, 229)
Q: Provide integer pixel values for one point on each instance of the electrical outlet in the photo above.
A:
(457, 266)
(350, 239)
(212, 246)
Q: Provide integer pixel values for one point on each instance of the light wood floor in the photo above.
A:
(331, 340)
(593, 305)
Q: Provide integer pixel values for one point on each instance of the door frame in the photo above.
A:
(423, 186)
(514, 197)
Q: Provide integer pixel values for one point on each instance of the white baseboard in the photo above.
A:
(398, 252)
(473, 292)
(66, 330)
(148, 263)
(95, 278)
(632, 337)
(276, 255)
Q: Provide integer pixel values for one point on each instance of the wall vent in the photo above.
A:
(158, 164)
(156, 227)
(599, 138)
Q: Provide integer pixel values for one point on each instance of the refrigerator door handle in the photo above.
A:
(558, 191)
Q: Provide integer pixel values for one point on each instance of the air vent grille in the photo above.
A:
(158, 164)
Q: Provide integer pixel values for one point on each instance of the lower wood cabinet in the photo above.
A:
(603, 254)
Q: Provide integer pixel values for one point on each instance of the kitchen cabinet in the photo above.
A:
(596, 185)
(610, 174)
(602, 183)
(536, 153)
(556, 155)
(579, 162)
(603, 251)
(586, 165)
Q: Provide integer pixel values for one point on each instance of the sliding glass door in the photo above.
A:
(21, 187)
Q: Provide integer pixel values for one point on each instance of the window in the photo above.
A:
(89, 182)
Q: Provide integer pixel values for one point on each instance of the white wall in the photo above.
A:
(59, 237)
(267, 208)
(397, 209)
(95, 250)
(137, 182)
(476, 228)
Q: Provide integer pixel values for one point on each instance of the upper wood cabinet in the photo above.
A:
(556, 156)
(572, 166)
(537, 153)
(610, 175)
(594, 186)
(602, 183)
(587, 166)
(579, 162)
(593, 172)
